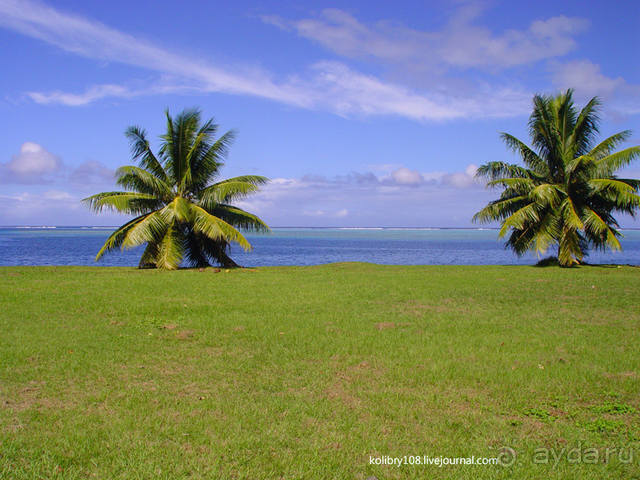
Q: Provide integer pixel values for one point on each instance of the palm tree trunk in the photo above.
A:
(227, 262)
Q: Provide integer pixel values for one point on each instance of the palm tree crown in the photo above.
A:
(567, 191)
(179, 214)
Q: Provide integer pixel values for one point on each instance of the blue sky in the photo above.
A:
(361, 113)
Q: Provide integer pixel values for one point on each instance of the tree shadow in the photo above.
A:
(553, 262)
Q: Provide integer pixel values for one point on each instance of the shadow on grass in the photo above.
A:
(548, 262)
(553, 262)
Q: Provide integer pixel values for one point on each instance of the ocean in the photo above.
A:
(299, 246)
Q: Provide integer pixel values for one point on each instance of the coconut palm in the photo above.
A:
(567, 191)
(180, 215)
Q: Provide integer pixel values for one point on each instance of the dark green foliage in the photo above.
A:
(181, 215)
(567, 191)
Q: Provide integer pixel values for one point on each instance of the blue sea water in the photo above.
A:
(299, 246)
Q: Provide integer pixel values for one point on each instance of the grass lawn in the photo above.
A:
(309, 372)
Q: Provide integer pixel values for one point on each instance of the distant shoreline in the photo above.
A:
(103, 227)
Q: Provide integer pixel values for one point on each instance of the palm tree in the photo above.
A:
(567, 191)
(179, 214)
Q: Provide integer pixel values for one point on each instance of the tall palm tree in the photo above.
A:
(179, 214)
(567, 191)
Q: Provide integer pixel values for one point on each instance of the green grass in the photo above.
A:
(295, 372)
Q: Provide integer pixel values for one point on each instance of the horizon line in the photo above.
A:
(335, 227)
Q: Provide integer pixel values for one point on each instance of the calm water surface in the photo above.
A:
(299, 246)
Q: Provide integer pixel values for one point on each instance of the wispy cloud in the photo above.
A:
(98, 92)
(586, 77)
(346, 91)
(461, 42)
(92, 94)
(95, 40)
(331, 86)
(588, 80)
(405, 176)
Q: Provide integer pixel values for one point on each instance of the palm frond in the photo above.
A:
(599, 231)
(123, 202)
(545, 233)
(240, 218)
(521, 185)
(501, 209)
(181, 216)
(137, 179)
(196, 249)
(529, 214)
(608, 145)
(570, 215)
(149, 256)
(231, 189)
(150, 229)
(567, 191)
(116, 238)
(176, 143)
(216, 229)
(529, 157)
(170, 249)
(547, 195)
(616, 191)
(611, 163)
(585, 128)
(207, 163)
(544, 133)
(199, 144)
(632, 182)
(570, 248)
(499, 170)
(141, 151)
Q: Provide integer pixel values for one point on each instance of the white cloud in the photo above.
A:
(33, 164)
(51, 207)
(346, 91)
(460, 43)
(92, 94)
(329, 86)
(326, 214)
(586, 77)
(402, 198)
(92, 172)
(33, 159)
(404, 176)
(344, 201)
(99, 92)
(57, 195)
(466, 45)
(95, 40)
(462, 179)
